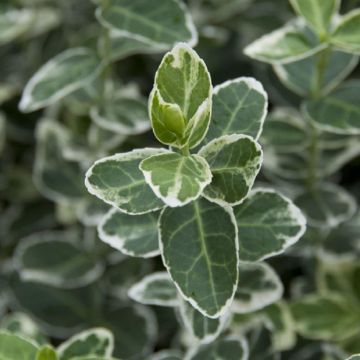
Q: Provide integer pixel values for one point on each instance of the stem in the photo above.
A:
(185, 150)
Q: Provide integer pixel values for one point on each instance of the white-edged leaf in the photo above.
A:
(239, 107)
(55, 258)
(258, 286)
(169, 24)
(346, 35)
(317, 13)
(327, 206)
(155, 289)
(299, 76)
(91, 211)
(354, 357)
(290, 43)
(339, 111)
(234, 161)
(96, 342)
(176, 179)
(181, 100)
(268, 224)
(167, 355)
(132, 235)
(118, 181)
(60, 76)
(199, 247)
(229, 348)
(202, 328)
(14, 347)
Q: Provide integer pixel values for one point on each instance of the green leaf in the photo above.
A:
(327, 206)
(346, 35)
(14, 347)
(258, 286)
(239, 107)
(167, 355)
(199, 248)
(122, 115)
(300, 76)
(176, 179)
(202, 328)
(284, 131)
(118, 181)
(180, 102)
(234, 161)
(293, 42)
(169, 24)
(56, 178)
(132, 235)
(60, 76)
(324, 318)
(268, 223)
(97, 341)
(2, 132)
(91, 211)
(339, 111)
(229, 348)
(46, 353)
(155, 289)
(55, 258)
(317, 13)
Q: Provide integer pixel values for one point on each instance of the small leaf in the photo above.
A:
(324, 318)
(91, 211)
(167, 355)
(96, 342)
(132, 235)
(200, 250)
(65, 73)
(14, 347)
(317, 13)
(118, 181)
(346, 35)
(182, 87)
(290, 43)
(54, 258)
(202, 328)
(327, 206)
(239, 107)
(258, 286)
(268, 223)
(299, 76)
(122, 115)
(169, 24)
(339, 111)
(155, 289)
(354, 357)
(234, 162)
(2, 132)
(46, 353)
(229, 348)
(176, 179)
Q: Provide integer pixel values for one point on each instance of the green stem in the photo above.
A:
(185, 150)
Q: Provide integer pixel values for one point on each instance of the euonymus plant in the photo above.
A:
(193, 182)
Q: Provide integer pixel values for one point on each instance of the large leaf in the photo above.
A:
(268, 223)
(229, 348)
(235, 161)
(202, 328)
(170, 23)
(55, 258)
(258, 286)
(96, 342)
(176, 179)
(302, 76)
(200, 250)
(132, 235)
(346, 35)
(239, 107)
(290, 43)
(14, 347)
(317, 13)
(339, 111)
(118, 181)
(326, 206)
(65, 73)
(155, 289)
(180, 102)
